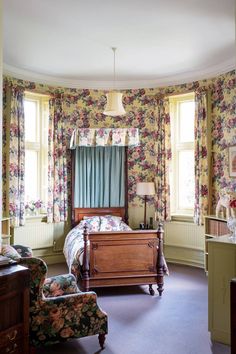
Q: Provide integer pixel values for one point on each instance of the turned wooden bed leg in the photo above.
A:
(85, 275)
(160, 260)
(102, 338)
(151, 291)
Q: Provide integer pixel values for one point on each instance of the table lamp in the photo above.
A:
(145, 189)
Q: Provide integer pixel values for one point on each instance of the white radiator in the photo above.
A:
(35, 235)
(184, 234)
(184, 243)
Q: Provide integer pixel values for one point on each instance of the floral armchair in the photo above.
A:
(58, 309)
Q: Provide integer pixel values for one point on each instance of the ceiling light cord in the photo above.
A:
(114, 68)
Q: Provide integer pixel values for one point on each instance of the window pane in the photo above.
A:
(186, 121)
(31, 175)
(186, 179)
(30, 108)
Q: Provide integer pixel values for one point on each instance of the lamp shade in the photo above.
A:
(114, 106)
(145, 188)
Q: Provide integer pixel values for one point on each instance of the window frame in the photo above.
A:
(40, 145)
(178, 146)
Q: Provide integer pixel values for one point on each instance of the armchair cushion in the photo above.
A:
(23, 251)
(60, 285)
(10, 252)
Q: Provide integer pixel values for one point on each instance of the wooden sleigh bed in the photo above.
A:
(120, 258)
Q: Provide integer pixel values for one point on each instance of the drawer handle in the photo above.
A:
(13, 336)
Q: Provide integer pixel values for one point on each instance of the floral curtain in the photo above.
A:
(57, 162)
(201, 157)
(14, 155)
(163, 160)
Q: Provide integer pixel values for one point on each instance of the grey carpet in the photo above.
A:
(140, 323)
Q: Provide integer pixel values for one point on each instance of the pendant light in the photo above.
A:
(114, 106)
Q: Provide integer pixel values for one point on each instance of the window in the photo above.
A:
(36, 109)
(182, 112)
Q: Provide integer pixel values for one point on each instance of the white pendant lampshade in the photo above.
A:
(114, 106)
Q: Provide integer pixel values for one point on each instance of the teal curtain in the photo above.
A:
(99, 177)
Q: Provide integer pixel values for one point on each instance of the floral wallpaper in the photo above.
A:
(82, 108)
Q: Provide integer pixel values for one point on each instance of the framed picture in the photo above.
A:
(232, 161)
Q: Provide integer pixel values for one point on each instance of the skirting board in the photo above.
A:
(50, 258)
(182, 255)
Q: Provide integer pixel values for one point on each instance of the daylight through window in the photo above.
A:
(182, 111)
(36, 110)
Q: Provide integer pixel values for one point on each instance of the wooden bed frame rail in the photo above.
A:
(123, 258)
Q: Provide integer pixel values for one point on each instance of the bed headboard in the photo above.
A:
(80, 213)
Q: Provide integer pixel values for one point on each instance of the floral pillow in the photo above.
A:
(124, 226)
(112, 223)
(10, 252)
(93, 223)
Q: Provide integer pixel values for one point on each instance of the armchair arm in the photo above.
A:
(75, 315)
(60, 285)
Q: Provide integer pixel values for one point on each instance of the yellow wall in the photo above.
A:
(83, 108)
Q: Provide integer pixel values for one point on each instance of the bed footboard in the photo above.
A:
(123, 258)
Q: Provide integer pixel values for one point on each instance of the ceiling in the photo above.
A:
(68, 42)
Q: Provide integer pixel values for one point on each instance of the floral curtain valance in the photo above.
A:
(104, 137)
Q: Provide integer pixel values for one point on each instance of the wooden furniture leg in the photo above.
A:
(160, 261)
(85, 261)
(102, 338)
(151, 291)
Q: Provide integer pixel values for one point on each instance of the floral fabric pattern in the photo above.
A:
(113, 223)
(10, 252)
(60, 285)
(163, 160)
(63, 316)
(14, 155)
(57, 163)
(104, 137)
(92, 223)
(23, 251)
(201, 157)
(83, 109)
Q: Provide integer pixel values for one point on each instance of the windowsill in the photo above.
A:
(33, 218)
(182, 218)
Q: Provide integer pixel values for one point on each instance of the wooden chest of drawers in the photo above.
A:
(14, 310)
